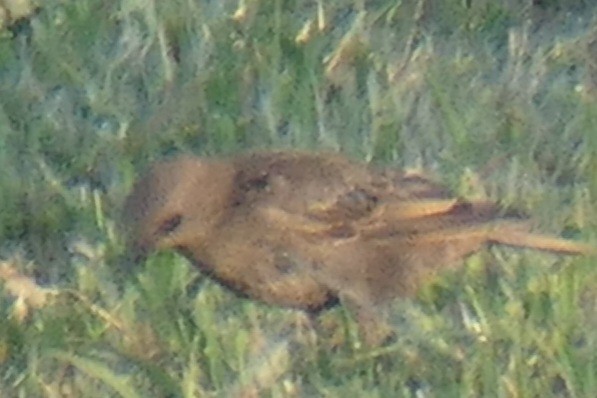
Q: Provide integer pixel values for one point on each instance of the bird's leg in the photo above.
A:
(305, 326)
(373, 326)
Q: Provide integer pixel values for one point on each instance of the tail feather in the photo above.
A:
(430, 216)
(465, 226)
(553, 244)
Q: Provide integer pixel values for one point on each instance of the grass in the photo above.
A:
(497, 98)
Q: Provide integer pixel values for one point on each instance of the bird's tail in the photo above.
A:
(460, 221)
(505, 235)
(462, 225)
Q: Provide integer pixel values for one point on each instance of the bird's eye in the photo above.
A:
(258, 183)
(169, 225)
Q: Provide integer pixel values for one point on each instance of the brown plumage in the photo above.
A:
(305, 230)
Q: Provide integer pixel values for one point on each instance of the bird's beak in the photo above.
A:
(135, 255)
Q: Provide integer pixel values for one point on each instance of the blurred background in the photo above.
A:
(496, 98)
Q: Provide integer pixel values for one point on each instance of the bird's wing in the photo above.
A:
(385, 220)
(304, 226)
(327, 190)
(328, 199)
(426, 216)
(367, 203)
(432, 224)
(346, 207)
(411, 195)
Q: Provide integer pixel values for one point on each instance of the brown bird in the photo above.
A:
(307, 230)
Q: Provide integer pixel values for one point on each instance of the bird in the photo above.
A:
(310, 230)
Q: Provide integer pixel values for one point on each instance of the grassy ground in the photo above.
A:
(498, 98)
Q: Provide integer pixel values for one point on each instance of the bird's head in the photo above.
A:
(174, 205)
